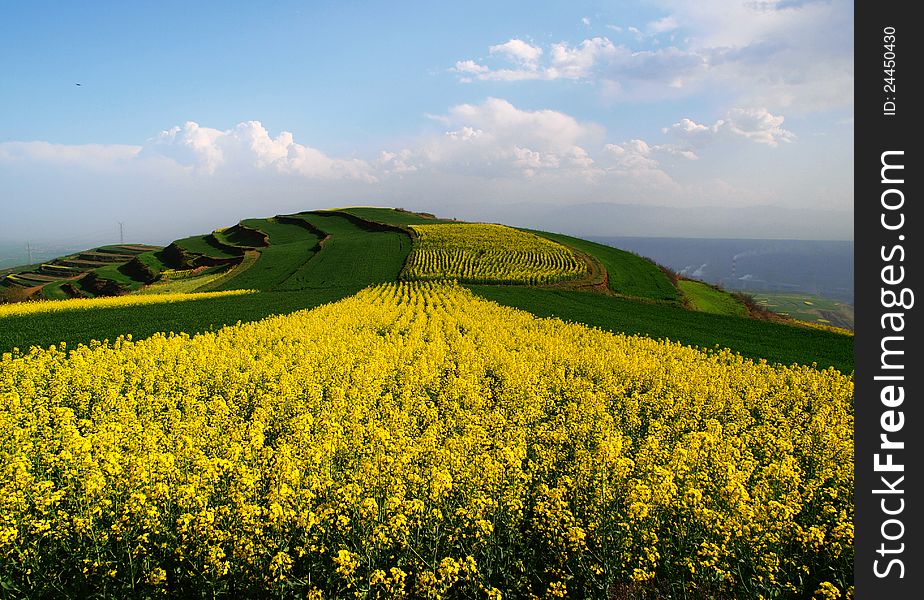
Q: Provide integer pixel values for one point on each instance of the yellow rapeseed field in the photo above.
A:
(486, 253)
(28, 308)
(416, 441)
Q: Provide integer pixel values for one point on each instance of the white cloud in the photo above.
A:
(758, 125)
(470, 66)
(497, 139)
(755, 124)
(565, 61)
(585, 21)
(578, 62)
(754, 51)
(249, 146)
(663, 25)
(400, 162)
(491, 139)
(491, 152)
(632, 155)
(518, 51)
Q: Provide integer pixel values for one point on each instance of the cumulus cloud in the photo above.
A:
(633, 155)
(470, 66)
(754, 124)
(249, 147)
(496, 138)
(518, 51)
(639, 163)
(564, 62)
(755, 50)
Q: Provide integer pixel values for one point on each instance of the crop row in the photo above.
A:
(415, 441)
(486, 253)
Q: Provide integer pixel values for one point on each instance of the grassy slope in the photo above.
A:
(629, 274)
(153, 260)
(115, 273)
(705, 298)
(53, 291)
(351, 256)
(290, 248)
(201, 244)
(749, 337)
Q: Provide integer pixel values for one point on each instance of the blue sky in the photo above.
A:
(224, 110)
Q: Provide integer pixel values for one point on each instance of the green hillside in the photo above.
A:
(703, 297)
(628, 274)
(353, 253)
(105, 270)
(302, 260)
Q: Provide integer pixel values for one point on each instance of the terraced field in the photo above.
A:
(290, 248)
(352, 255)
(488, 253)
(207, 245)
(83, 274)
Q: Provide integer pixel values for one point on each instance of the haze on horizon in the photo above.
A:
(652, 118)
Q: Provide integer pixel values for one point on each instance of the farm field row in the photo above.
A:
(774, 342)
(436, 441)
(488, 253)
(141, 321)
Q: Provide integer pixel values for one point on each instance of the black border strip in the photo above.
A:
(887, 347)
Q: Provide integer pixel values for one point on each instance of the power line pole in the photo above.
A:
(121, 233)
(29, 250)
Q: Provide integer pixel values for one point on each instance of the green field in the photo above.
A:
(154, 260)
(705, 298)
(116, 273)
(351, 255)
(53, 291)
(807, 307)
(291, 247)
(756, 339)
(629, 274)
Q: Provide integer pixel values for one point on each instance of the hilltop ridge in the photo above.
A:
(303, 259)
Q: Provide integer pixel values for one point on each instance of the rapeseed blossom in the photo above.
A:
(44, 306)
(416, 441)
(488, 253)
